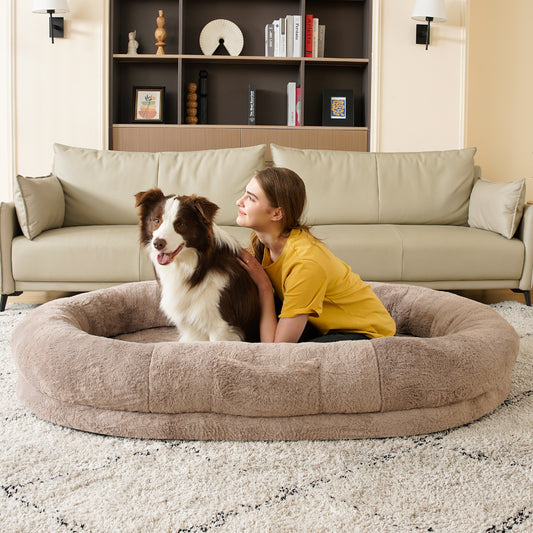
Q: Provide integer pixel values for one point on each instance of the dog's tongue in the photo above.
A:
(165, 259)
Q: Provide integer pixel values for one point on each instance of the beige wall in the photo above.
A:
(60, 92)
(6, 99)
(422, 91)
(500, 89)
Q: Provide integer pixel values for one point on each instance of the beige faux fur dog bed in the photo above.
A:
(107, 362)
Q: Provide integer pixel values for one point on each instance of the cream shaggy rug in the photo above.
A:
(477, 478)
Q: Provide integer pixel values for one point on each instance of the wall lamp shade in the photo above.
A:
(427, 11)
(50, 7)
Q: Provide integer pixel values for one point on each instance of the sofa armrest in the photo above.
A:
(9, 228)
(525, 234)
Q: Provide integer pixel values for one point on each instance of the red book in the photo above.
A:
(298, 106)
(308, 35)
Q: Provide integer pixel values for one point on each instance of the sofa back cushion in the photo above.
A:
(341, 186)
(100, 185)
(387, 188)
(425, 187)
(220, 175)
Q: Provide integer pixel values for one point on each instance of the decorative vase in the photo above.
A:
(160, 33)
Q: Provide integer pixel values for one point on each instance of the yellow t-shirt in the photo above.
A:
(310, 280)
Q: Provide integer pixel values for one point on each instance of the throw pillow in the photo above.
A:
(496, 206)
(40, 204)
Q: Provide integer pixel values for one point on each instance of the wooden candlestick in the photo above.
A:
(192, 104)
(160, 34)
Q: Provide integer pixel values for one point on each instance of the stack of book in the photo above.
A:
(289, 37)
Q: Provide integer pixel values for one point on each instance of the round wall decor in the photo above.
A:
(221, 31)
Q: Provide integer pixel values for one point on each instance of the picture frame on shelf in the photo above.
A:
(148, 104)
(337, 107)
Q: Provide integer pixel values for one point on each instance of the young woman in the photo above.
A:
(317, 290)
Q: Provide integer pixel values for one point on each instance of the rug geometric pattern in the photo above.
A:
(476, 478)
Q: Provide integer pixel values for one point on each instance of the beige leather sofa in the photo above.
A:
(417, 218)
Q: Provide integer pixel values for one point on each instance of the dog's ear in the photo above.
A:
(206, 208)
(150, 197)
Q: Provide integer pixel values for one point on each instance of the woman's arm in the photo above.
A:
(287, 329)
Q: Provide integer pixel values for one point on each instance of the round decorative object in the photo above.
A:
(109, 361)
(221, 31)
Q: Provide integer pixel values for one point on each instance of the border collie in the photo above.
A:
(205, 291)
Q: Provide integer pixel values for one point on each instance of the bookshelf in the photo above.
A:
(346, 65)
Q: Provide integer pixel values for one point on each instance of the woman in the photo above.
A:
(315, 287)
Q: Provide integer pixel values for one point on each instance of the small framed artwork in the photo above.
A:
(337, 107)
(148, 104)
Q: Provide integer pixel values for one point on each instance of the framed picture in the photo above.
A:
(148, 104)
(337, 107)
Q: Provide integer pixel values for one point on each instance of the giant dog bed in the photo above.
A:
(108, 362)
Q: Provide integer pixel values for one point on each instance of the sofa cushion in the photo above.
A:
(425, 187)
(40, 204)
(220, 175)
(100, 185)
(342, 186)
(387, 188)
(106, 254)
(433, 253)
(497, 206)
(373, 251)
(422, 253)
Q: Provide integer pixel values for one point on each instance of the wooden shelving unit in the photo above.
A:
(346, 66)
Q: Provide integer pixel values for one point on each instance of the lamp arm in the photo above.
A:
(429, 19)
(51, 12)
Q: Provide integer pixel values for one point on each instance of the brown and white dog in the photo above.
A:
(205, 291)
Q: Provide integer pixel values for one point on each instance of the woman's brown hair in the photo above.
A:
(283, 188)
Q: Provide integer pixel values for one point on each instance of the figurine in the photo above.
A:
(160, 33)
(132, 43)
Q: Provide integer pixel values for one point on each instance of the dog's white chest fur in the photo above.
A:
(194, 310)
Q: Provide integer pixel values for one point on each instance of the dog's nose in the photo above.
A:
(159, 244)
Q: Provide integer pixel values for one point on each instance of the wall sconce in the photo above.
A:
(427, 11)
(51, 7)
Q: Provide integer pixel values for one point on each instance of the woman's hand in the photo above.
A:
(287, 329)
(256, 271)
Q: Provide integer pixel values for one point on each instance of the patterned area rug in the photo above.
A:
(477, 478)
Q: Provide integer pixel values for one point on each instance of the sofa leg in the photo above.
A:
(527, 295)
(3, 300)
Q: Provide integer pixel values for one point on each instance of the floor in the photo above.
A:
(484, 296)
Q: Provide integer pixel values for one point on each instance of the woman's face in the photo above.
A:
(255, 211)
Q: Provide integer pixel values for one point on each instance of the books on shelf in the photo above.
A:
(298, 115)
(314, 37)
(321, 39)
(269, 40)
(251, 104)
(308, 35)
(294, 104)
(289, 36)
(297, 36)
(291, 103)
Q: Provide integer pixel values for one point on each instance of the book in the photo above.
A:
(269, 40)
(283, 37)
(308, 35)
(251, 104)
(298, 116)
(202, 97)
(321, 39)
(291, 103)
(277, 37)
(298, 40)
(289, 24)
(314, 48)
